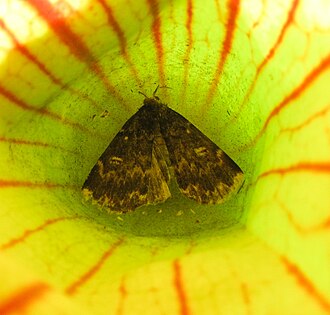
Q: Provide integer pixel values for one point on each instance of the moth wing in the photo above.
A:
(130, 172)
(203, 171)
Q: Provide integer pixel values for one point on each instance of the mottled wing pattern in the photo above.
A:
(203, 171)
(131, 172)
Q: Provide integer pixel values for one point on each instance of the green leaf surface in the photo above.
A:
(252, 75)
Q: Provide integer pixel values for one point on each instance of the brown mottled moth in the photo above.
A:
(155, 145)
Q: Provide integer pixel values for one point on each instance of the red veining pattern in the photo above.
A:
(178, 284)
(42, 111)
(271, 53)
(28, 233)
(245, 293)
(302, 87)
(246, 297)
(58, 24)
(311, 119)
(305, 283)
(121, 38)
(311, 77)
(27, 142)
(316, 167)
(302, 229)
(94, 269)
(156, 30)
(33, 143)
(189, 47)
(24, 51)
(233, 8)
(123, 294)
(114, 25)
(21, 300)
(4, 183)
(189, 23)
(78, 48)
(217, 6)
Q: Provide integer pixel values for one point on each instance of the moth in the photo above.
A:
(157, 145)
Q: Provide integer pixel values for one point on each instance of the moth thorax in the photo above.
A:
(153, 103)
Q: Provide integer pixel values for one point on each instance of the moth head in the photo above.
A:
(152, 101)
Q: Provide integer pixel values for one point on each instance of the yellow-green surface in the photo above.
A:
(252, 75)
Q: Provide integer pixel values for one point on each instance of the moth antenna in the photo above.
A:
(143, 94)
(154, 93)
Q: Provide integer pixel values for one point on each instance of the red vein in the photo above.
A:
(22, 299)
(186, 60)
(299, 228)
(24, 51)
(42, 111)
(189, 22)
(233, 8)
(33, 143)
(305, 283)
(178, 283)
(284, 29)
(217, 5)
(94, 269)
(271, 53)
(27, 142)
(30, 232)
(4, 183)
(317, 167)
(308, 121)
(158, 40)
(122, 294)
(114, 24)
(246, 297)
(75, 44)
(121, 38)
